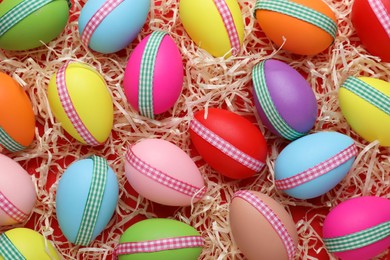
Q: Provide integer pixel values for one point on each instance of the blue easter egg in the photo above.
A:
(118, 29)
(78, 191)
(314, 164)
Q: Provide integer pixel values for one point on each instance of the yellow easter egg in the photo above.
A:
(214, 25)
(365, 104)
(23, 242)
(81, 102)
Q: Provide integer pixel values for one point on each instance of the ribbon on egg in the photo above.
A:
(8, 142)
(381, 13)
(8, 250)
(11, 210)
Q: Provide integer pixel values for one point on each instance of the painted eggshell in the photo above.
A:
(358, 228)
(284, 100)
(228, 142)
(261, 227)
(161, 172)
(86, 199)
(314, 164)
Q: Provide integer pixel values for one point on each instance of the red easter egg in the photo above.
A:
(228, 142)
(371, 19)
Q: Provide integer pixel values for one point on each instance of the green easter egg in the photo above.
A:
(152, 230)
(25, 23)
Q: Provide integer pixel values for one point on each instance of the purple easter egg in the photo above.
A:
(284, 100)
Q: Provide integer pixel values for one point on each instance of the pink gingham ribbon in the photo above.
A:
(11, 210)
(272, 218)
(317, 170)
(158, 245)
(97, 18)
(70, 110)
(163, 178)
(228, 20)
(226, 147)
(381, 13)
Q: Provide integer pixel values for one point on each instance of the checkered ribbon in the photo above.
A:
(19, 12)
(97, 18)
(359, 239)
(162, 244)
(382, 14)
(265, 100)
(8, 250)
(368, 93)
(300, 12)
(271, 217)
(317, 170)
(11, 210)
(145, 95)
(94, 201)
(9, 143)
(226, 147)
(163, 178)
(228, 21)
(69, 108)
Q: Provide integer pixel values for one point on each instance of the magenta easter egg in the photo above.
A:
(161, 172)
(284, 100)
(154, 75)
(358, 228)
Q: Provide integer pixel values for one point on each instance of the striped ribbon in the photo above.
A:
(158, 245)
(317, 170)
(69, 108)
(265, 101)
(226, 147)
(11, 210)
(163, 178)
(230, 26)
(9, 143)
(381, 13)
(300, 12)
(271, 217)
(145, 96)
(368, 93)
(358, 239)
(97, 18)
(94, 201)
(8, 250)
(19, 12)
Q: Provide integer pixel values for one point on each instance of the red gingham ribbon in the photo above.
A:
(158, 245)
(272, 218)
(70, 110)
(226, 147)
(228, 20)
(97, 18)
(163, 178)
(11, 210)
(317, 170)
(382, 14)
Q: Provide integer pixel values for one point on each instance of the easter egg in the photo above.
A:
(155, 239)
(261, 227)
(81, 102)
(25, 243)
(154, 75)
(161, 172)
(27, 24)
(107, 26)
(17, 192)
(228, 142)
(284, 100)
(365, 104)
(358, 228)
(305, 27)
(86, 199)
(371, 19)
(314, 164)
(214, 25)
(17, 119)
